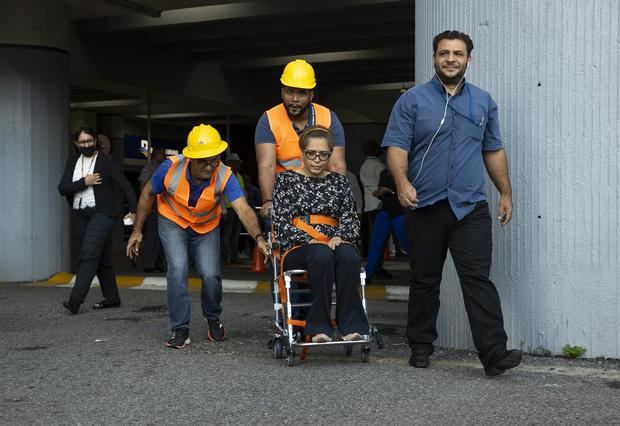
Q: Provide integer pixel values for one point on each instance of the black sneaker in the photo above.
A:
(217, 331)
(419, 358)
(71, 306)
(502, 361)
(179, 339)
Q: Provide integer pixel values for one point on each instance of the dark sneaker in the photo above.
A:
(179, 339)
(502, 361)
(217, 331)
(105, 304)
(71, 306)
(419, 358)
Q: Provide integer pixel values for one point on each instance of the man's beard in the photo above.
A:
(302, 110)
(448, 81)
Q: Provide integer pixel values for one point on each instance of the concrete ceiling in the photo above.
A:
(219, 59)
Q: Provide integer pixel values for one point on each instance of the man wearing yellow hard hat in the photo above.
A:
(188, 189)
(277, 132)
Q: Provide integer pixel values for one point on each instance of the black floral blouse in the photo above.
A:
(295, 195)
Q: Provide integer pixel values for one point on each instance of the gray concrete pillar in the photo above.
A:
(34, 111)
(552, 68)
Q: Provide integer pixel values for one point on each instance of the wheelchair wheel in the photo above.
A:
(378, 338)
(278, 350)
(290, 358)
(348, 350)
(365, 354)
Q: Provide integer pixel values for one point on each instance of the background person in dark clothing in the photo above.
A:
(153, 257)
(91, 182)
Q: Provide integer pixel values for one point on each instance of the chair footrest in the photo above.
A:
(301, 305)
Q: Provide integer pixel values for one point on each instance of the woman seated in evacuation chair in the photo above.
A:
(316, 225)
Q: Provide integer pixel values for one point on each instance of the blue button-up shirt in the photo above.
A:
(453, 167)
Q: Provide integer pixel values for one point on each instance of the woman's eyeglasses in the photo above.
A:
(86, 142)
(321, 155)
(203, 164)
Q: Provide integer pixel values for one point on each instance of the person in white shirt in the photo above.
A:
(369, 175)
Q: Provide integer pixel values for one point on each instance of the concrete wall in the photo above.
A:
(34, 111)
(552, 67)
(34, 118)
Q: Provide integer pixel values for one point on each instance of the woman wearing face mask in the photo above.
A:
(91, 182)
(316, 224)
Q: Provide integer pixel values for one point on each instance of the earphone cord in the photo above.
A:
(443, 118)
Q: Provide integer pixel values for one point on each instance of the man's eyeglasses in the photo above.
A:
(203, 164)
(86, 142)
(321, 155)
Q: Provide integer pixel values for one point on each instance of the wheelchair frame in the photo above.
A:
(286, 340)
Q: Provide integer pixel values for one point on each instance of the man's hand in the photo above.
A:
(504, 214)
(334, 242)
(265, 210)
(261, 242)
(133, 245)
(407, 195)
(94, 179)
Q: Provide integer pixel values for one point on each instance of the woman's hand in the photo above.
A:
(94, 179)
(130, 216)
(334, 242)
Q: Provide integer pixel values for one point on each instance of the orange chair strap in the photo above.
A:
(305, 224)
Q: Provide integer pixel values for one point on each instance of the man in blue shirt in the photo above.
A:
(440, 137)
(189, 188)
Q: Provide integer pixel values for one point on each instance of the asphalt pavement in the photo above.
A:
(111, 367)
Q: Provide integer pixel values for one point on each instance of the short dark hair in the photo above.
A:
(84, 129)
(317, 131)
(453, 35)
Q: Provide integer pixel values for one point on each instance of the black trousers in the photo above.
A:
(152, 250)
(95, 256)
(326, 266)
(230, 231)
(432, 231)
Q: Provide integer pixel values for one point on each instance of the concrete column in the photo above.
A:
(552, 68)
(34, 111)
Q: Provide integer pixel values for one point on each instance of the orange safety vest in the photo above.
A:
(288, 154)
(173, 202)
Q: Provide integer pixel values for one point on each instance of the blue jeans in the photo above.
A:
(380, 233)
(179, 244)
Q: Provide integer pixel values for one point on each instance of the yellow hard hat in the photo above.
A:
(299, 74)
(203, 142)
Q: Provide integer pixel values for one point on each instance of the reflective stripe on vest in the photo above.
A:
(288, 155)
(173, 202)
